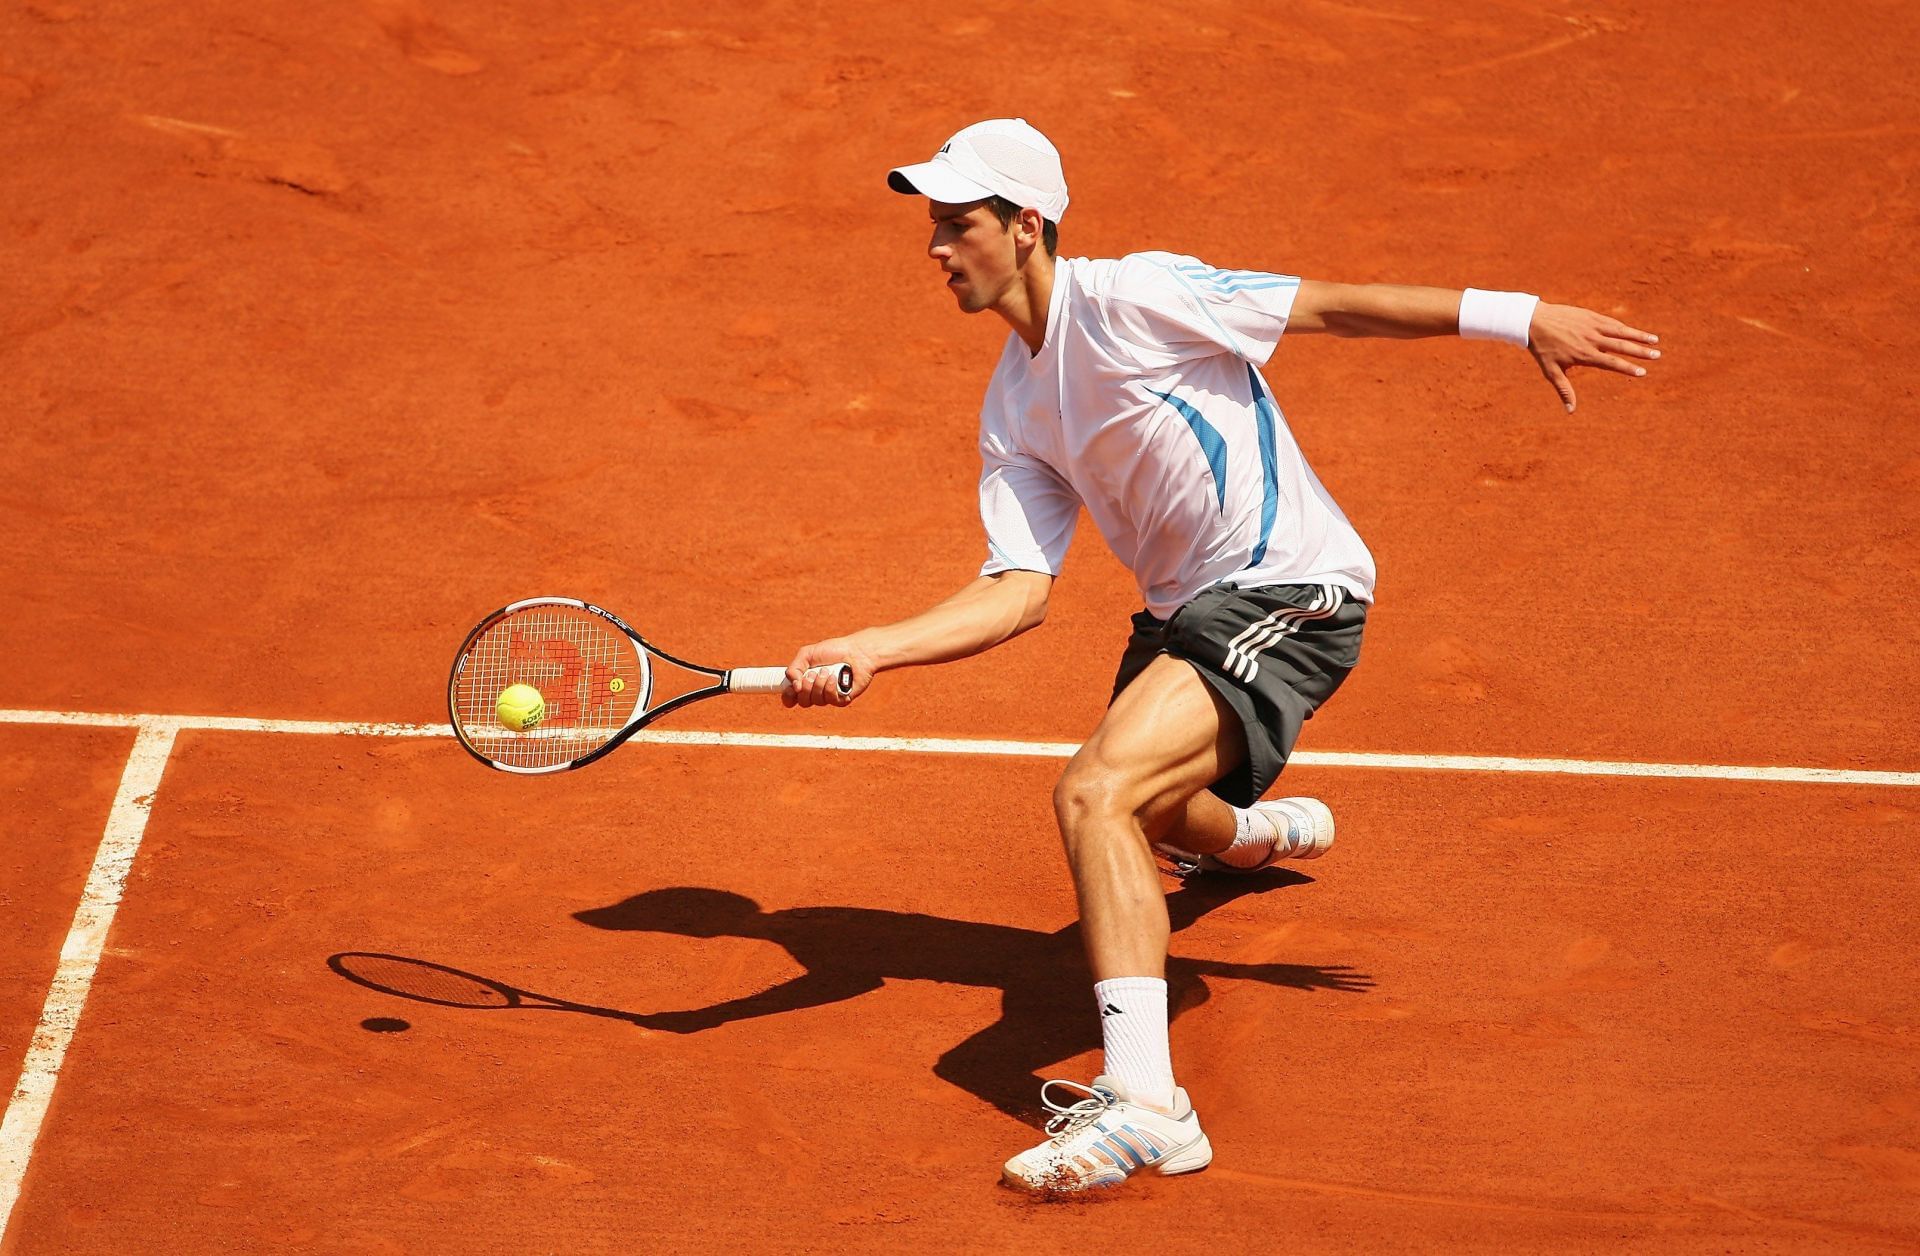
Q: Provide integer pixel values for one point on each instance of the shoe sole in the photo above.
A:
(1192, 1158)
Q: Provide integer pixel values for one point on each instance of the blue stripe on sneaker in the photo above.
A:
(1150, 1148)
(1121, 1146)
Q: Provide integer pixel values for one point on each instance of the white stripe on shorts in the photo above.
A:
(1245, 657)
(1263, 632)
(1243, 652)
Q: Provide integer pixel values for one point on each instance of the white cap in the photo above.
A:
(1001, 157)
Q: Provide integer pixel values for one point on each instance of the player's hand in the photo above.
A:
(673, 1022)
(806, 687)
(1565, 336)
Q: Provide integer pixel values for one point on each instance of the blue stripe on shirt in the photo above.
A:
(1228, 282)
(1212, 443)
(1267, 423)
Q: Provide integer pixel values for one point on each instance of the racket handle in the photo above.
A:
(774, 679)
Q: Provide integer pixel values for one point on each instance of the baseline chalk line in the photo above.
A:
(1020, 749)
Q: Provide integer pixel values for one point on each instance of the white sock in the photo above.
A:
(1133, 1022)
(1253, 837)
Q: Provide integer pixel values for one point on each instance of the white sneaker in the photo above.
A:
(1104, 1138)
(1302, 829)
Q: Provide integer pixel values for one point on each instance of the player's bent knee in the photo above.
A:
(1091, 798)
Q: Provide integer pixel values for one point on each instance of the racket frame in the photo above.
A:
(513, 998)
(643, 713)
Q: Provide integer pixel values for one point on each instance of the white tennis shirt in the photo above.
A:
(1145, 403)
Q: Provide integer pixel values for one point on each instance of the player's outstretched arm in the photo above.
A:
(809, 989)
(1560, 337)
(988, 611)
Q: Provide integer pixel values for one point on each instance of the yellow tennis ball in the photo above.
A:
(520, 707)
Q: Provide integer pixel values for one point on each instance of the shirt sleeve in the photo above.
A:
(1168, 307)
(1029, 513)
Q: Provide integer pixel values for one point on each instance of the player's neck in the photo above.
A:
(1025, 305)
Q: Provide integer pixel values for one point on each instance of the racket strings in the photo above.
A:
(424, 982)
(588, 674)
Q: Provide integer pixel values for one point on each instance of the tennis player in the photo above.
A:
(1132, 388)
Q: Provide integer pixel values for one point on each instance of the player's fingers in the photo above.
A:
(1617, 328)
(796, 677)
(1561, 384)
(829, 678)
(1631, 349)
(1613, 363)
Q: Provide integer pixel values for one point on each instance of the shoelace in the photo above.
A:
(1069, 1119)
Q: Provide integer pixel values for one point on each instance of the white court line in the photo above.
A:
(79, 957)
(1026, 749)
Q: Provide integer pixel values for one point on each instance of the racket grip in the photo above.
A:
(774, 679)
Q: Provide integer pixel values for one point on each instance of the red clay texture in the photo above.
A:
(327, 329)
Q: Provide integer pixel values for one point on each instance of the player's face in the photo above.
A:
(976, 251)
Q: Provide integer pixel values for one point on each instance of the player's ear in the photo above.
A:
(1026, 227)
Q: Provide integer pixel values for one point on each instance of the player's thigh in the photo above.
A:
(1165, 738)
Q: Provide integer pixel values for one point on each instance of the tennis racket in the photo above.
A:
(601, 682)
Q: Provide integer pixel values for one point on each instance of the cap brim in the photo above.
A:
(938, 181)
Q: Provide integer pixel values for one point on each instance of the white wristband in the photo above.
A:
(1496, 315)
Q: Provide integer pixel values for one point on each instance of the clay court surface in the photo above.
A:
(326, 329)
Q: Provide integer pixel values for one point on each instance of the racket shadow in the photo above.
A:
(1042, 978)
(423, 981)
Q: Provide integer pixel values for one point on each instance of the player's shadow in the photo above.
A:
(1046, 1011)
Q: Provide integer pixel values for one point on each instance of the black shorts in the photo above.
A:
(1274, 654)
